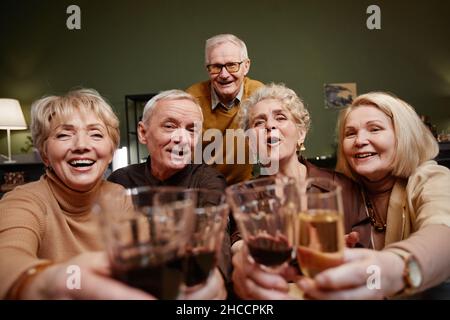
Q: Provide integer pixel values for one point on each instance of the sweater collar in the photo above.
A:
(175, 179)
(215, 101)
(71, 201)
(381, 186)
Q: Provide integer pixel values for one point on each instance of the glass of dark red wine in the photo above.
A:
(147, 243)
(265, 211)
(204, 245)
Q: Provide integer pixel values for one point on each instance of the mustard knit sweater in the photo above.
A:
(221, 119)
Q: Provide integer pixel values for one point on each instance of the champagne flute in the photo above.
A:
(320, 230)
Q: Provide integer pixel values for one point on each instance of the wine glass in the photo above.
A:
(147, 241)
(205, 243)
(320, 230)
(264, 210)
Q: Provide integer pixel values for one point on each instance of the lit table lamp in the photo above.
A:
(11, 118)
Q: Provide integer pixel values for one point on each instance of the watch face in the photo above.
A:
(415, 276)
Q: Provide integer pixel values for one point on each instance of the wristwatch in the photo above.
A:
(412, 274)
(16, 291)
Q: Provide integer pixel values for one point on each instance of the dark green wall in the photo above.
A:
(131, 47)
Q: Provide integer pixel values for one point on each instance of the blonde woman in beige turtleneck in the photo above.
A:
(47, 226)
(386, 148)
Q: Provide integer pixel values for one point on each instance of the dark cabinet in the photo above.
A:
(134, 107)
(27, 168)
(443, 157)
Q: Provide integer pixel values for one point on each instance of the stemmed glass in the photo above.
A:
(147, 241)
(264, 210)
(320, 231)
(204, 245)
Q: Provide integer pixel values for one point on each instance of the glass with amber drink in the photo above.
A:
(320, 230)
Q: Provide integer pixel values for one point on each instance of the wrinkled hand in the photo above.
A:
(351, 239)
(251, 281)
(95, 281)
(213, 289)
(349, 280)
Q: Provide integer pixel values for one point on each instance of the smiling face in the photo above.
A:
(170, 135)
(225, 84)
(276, 130)
(369, 142)
(79, 150)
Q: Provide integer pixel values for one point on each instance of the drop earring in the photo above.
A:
(300, 146)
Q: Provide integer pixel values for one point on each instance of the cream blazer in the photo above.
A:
(421, 200)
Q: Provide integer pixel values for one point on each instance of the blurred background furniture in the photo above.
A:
(26, 168)
(11, 119)
(134, 107)
(443, 157)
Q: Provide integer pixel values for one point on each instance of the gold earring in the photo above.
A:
(302, 147)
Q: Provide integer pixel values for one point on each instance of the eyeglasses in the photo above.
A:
(231, 67)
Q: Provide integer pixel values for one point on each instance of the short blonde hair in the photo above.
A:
(287, 97)
(415, 143)
(224, 38)
(173, 94)
(60, 108)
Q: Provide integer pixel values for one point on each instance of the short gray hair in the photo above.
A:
(287, 97)
(223, 38)
(174, 94)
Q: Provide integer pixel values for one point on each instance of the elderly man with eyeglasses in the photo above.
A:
(227, 63)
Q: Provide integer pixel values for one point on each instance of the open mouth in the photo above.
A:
(81, 163)
(179, 152)
(225, 83)
(365, 155)
(273, 140)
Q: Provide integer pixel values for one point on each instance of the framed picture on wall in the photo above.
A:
(339, 95)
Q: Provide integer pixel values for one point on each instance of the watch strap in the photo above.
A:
(407, 257)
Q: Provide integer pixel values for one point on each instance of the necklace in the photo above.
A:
(377, 223)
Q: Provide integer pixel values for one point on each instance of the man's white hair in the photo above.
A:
(174, 94)
(224, 38)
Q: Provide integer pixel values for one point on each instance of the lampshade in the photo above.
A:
(120, 158)
(11, 115)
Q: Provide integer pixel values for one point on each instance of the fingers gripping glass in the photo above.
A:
(231, 67)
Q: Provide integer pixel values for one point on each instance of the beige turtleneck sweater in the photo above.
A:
(45, 220)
